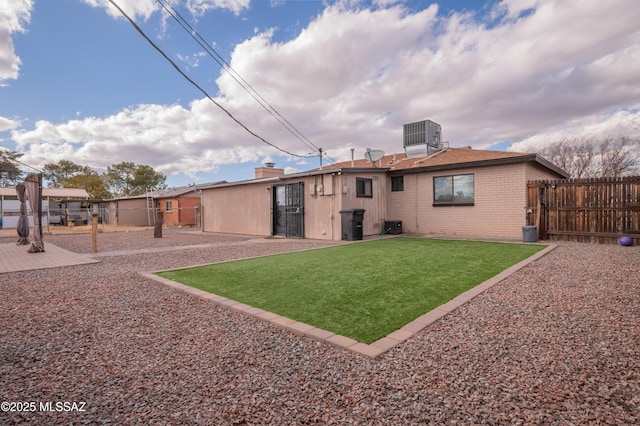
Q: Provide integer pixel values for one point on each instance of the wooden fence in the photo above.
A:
(585, 210)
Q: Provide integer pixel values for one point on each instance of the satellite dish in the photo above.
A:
(373, 155)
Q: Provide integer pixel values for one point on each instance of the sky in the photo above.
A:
(254, 81)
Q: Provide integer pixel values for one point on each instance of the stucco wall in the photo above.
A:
(375, 207)
(246, 208)
(132, 212)
(238, 209)
(498, 210)
(322, 202)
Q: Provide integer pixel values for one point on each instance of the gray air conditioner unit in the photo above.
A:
(422, 138)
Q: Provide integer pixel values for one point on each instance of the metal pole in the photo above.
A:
(40, 205)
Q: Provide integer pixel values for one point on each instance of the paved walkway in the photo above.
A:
(14, 258)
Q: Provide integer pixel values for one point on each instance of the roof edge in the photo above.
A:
(483, 163)
(299, 175)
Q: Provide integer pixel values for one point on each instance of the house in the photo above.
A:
(427, 190)
(180, 206)
(57, 203)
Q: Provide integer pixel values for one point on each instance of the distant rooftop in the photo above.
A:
(61, 193)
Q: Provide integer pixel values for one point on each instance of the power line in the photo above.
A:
(186, 26)
(197, 86)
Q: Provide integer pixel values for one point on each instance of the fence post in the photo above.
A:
(94, 232)
(157, 230)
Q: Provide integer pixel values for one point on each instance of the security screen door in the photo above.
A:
(288, 210)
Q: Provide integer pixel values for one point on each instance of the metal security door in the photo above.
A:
(288, 210)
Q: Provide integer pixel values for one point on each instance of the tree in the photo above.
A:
(56, 173)
(91, 181)
(128, 179)
(618, 157)
(9, 170)
(118, 178)
(592, 158)
(145, 177)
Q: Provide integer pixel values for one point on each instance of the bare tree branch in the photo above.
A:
(588, 157)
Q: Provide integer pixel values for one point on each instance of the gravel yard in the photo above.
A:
(558, 342)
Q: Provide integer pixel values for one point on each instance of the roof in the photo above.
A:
(174, 192)
(61, 193)
(451, 158)
(170, 192)
(396, 164)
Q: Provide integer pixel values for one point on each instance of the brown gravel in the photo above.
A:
(556, 343)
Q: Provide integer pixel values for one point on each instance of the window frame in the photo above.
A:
(452, 201)
(397, 183)
(362, 184)
(168, 206)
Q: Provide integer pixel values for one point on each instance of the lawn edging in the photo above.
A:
(372, 350)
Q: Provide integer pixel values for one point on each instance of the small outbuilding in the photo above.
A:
(58, 204)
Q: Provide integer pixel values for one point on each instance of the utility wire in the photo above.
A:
(197, 86)
(237, 77)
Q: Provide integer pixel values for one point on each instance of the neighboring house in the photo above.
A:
(454, 191)
(180, 206)
(57, 203)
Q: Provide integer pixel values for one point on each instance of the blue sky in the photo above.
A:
(78, 82)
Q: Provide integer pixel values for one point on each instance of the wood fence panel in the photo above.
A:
(586, 210)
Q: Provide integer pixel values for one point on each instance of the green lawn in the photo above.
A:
(363, 291)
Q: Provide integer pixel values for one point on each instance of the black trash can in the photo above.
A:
(352, 224)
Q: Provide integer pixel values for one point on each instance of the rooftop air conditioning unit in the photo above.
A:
(422, 138)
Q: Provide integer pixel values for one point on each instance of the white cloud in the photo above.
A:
(353, 76)
(14, 15)
(192, 61)
(171, 139)
(134, 8)
(200, 7)
(145, 8)
(599, 126)
(7, 124)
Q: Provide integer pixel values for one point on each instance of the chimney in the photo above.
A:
(352, 158)
(269, 170)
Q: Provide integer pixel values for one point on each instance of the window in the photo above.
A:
(364, 187)
(168, 206)
(453, 190)
(397, 183)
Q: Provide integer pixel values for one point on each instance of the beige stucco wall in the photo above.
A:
(246, 208)
(375, 207)
(322, 201)
(238, 209)
(131, 212)
(498, 210)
